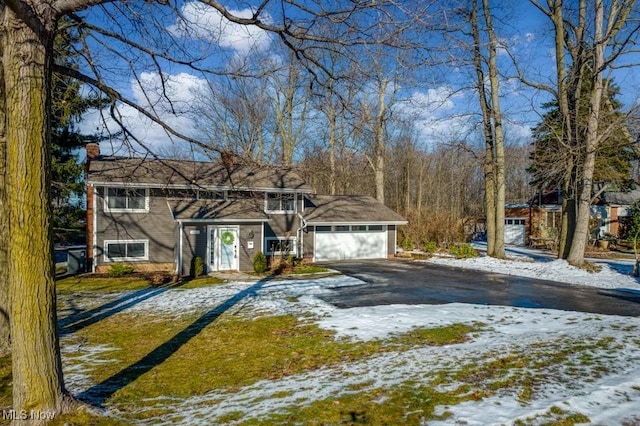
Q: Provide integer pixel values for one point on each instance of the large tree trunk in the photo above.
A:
(5, 345)
(379, 149)
(581, 233)
(332, 145)
(498, 137)
(567, 227)
(37, 372)
(489, 158)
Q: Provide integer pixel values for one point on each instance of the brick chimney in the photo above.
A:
(93, 151)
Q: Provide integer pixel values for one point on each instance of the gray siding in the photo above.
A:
(309, 239)
(194, 243)
(247, 254)
(157, 226)
(391, 239)
(281, 225)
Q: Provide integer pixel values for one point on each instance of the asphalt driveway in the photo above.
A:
(404, 282)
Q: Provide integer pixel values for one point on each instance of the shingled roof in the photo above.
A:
(166, 173)
(348, 209)
(622, 198)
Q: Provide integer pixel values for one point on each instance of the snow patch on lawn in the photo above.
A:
(610, 398)
(268, 296)
(607, 392)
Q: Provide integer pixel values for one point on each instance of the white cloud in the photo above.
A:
(206, 23)
(441, 115)
(517, 132)
(172, 103)
(436, 115)
(433, 100)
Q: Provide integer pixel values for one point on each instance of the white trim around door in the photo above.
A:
(223, 248)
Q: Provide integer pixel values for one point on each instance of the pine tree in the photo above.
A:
(67, 172)
(551, 152)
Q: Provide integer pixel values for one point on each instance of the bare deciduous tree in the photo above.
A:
(486, 68)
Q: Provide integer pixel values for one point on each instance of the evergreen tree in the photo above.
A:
(552, 154)
(67, 172)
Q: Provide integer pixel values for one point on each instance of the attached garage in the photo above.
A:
(343, 242)
(348, 227)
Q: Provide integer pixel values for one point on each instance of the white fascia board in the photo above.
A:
(359, 222)
(196, 186)
(214, 221)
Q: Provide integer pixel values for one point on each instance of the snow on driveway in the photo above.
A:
(608, 396)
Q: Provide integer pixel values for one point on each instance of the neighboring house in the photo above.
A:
(158, 214)
(539, 220)
(612, 208)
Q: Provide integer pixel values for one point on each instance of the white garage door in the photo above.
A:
(350, 242)
(514, 232)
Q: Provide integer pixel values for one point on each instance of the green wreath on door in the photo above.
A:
(227, 238)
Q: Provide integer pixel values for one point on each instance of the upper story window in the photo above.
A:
(192, 194)
(181, 194)
(135, 200)
(210, 195)
(280, 203)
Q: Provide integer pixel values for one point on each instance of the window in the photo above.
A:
(127, 200)
(210, 195)
(280, 203)
(181, 194)
(130, 250)
(283, 246)
(514, 221)
(347, 228)
(553, 220)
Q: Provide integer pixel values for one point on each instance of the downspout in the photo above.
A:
(94, 203)
(300, 234)
(179, 259)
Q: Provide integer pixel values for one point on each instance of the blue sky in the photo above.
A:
(440, 104)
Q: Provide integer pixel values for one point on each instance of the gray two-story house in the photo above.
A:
(158, 214)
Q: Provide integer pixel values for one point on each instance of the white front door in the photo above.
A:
(223, 248)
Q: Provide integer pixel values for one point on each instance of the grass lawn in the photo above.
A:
(308, 269)
(171, 364)
(79, 283)
(150, 357)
